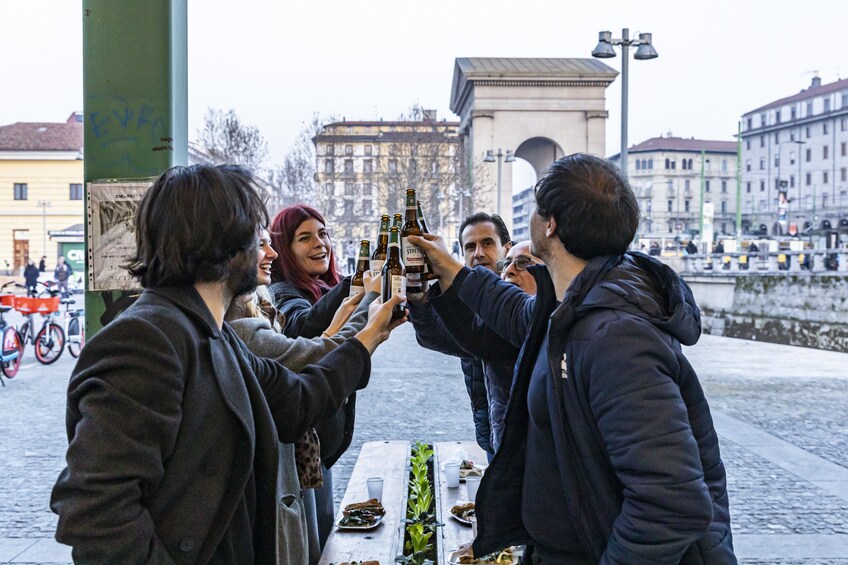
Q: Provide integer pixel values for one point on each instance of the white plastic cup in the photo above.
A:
(375, 488)
(473, 520)
(452, 473)
(471, 485)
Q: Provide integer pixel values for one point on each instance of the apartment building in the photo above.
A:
(41, 193)
(669, 174)
(795, 161)
(364, 168)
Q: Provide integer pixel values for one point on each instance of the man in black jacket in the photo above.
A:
(609, 453)
(173, 425)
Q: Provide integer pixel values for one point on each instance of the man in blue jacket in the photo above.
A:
(609, 453)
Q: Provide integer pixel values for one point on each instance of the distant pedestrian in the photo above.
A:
(455, 250)
(62, 274)
(31, 278)
(42, 265)
(719, 248)
(655, 249)
(350, 255)
(691, 248)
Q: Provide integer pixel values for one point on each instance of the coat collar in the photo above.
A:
(187, 299)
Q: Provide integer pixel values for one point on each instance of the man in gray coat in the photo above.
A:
(173, 425)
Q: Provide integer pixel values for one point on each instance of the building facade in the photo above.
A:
(523, 205)
(795, 161)
(41, 191)
(666, 175)
(364, 168)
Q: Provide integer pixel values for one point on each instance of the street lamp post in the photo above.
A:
(44, 205)
(604, 50)
(490, 158)
(783, 185)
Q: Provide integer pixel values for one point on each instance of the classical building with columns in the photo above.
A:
(534, 109)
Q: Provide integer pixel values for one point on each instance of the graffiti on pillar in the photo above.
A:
(122, 130)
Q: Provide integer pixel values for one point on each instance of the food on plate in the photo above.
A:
(463, 554)
(463, 511)
(358, 563)
(361, 514)
(467, 468)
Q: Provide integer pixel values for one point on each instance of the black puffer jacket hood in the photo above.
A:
(645, 287)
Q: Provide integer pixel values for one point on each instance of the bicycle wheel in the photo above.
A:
(11, 343)
(49, 343)
(76, 336)
(24, 334)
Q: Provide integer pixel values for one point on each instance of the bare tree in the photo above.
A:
(225, 139)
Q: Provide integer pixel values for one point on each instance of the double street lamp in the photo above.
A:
(490, 158)
(604, 50)
(44, 205)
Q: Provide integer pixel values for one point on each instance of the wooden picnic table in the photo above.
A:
(390, 460)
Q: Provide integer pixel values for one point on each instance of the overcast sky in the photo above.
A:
(278, 62)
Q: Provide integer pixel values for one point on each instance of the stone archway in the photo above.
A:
(544, 108)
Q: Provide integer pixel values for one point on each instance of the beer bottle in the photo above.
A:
(413, 257)
(393, 274)
(426, 275)
(379, 255)
(422, 219)
(398, 221)
(357, 283)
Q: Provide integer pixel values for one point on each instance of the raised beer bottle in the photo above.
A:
(413, 257)
(427, 270)
(398, 221)
(378, 258)
(393, 275)
(422, 219)
(357, 283)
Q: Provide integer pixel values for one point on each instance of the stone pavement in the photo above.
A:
(780, 412)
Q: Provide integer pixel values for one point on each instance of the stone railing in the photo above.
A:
(759, 262)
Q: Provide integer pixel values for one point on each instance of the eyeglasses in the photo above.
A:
(520, 264)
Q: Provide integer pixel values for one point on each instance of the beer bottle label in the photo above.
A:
(354, 290)
(412, 255)
(377, 266)
(398, 285)
(413, 281)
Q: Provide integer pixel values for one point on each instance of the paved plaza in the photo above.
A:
(780, 412)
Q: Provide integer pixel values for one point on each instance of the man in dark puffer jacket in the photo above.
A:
(609, 453)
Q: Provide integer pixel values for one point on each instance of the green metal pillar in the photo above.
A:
(739, 184)
(701, 211)
(135, 101)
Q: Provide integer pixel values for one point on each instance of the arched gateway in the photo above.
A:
(541, 109)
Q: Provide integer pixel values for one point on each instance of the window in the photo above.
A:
(348, 166)
(845, 100)
(21, 190)
(809, 179)
(750, 124)
(670, 205)
(807, 132)
(792, 113)
(843, 174)
(724, 186)
(329, 149)
(748, 165)
(724, 207)
(825, 152)
(762, 163)
(644, 163)
(777, 160)
(328, 166)
(75, 191)
(667, 164)
(762, 141)
(748, 186)
(824, 128)
(724, 165)
(367, 167)
(686, 185)
(762, 186)
(434, 167)
(791, 157)
(348, 208)
(670, 185)
(763, 121)
(348, 149)
(809, 108)
(792, 181)
(392, 166)
(349, 189)
(638, 165)
(825, 177)
(777, 117)
(368, 150)
(843, 149)
(808, 155)
(843, 124)
(776, 137)
(367, 208)
(706, 186)
(748, 144)
(673, 165)
(366, 189)
(827, 104)
(650, 163)
(686, 205)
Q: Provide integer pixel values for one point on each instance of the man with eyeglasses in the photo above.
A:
(513, 267)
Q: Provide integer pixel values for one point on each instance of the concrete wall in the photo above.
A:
(805, 310)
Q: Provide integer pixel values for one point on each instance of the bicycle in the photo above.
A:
(49, 341)
(74, 327)
(12, 349)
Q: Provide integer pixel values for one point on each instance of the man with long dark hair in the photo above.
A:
(172, 423)
(609, 454)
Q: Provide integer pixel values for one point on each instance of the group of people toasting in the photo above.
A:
(203, 423)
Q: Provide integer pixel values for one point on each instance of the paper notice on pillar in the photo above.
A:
(111, 232)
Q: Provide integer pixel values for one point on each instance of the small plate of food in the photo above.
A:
(468, 468)
(462, 512)
(463, 555)
(361, 515)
